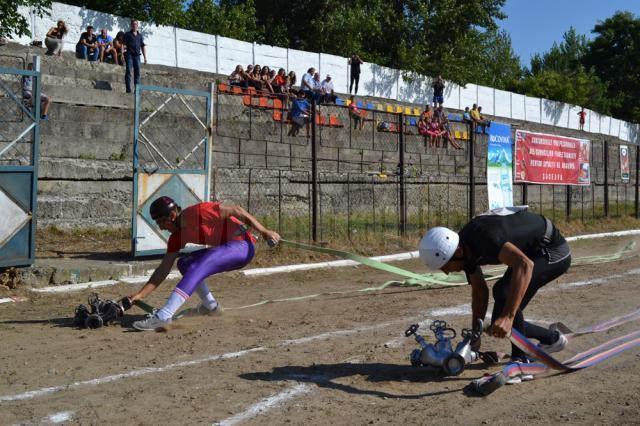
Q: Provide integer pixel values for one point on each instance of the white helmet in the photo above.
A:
(437, 246)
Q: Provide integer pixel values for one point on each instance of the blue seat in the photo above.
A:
(359, 104)
(371, 106)
(413, 122)
(452, 117)
(339, 102)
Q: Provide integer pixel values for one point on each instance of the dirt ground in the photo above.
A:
(340, 359)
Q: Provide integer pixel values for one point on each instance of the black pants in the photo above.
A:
(549, 264)
(354, 78)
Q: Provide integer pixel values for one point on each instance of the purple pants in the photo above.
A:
(203, 263)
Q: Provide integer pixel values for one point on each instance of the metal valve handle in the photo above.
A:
(411, 330)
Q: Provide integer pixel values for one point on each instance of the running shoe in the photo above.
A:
(558, 345)
(152, 323)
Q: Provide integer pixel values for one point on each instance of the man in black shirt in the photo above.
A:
(134, 45)
(438, 91)
(532, 248)
(355, 62)
(87, 47)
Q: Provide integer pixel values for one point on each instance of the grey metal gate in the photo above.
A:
(19, 153)
(172, 139)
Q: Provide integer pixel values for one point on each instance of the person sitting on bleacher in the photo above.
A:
(54, 37)
(427, 114)
(300, 112)
(477, 118)
(423, 127)
(266, 80)
(307, 83)
(317, 89)
(356, 114)
(438, 113)
(105, 44)
(466, 115)
(292, 79)
(279, 81)
(87, 47)
(328, 96)
(238, 77)
(118, 45)
(435, 133)
(252, 81)
(448, 131)
(27, 95)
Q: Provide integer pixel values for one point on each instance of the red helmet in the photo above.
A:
(161, 207)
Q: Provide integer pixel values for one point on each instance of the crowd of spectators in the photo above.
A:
(434, 125)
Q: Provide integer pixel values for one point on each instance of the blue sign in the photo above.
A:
(499, 166)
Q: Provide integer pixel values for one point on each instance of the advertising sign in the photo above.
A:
(499, 166)
(552, 159)
(624, 163)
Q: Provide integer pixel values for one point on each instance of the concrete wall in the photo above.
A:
(187, 49)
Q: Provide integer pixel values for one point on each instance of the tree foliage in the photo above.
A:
(12, 22)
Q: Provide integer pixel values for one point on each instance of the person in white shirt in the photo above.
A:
(327, 91)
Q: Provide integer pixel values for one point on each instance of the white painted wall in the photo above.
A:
(188, 49)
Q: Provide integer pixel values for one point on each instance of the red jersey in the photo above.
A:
(202, 224)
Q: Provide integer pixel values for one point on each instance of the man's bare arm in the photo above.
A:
(158, 276)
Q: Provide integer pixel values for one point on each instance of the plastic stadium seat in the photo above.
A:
(277, 104)
(252, 91)
(360, 105)
(413, 122)
(399, 109)
(370, 106)
(320, 120)
(334, 121)
(236, 90)
(407, 110)
(389, 108)
(465, 135)
(263, 102)
(417, 112)
(457, 134)
(339, 102)
(246, 100)
(277, 115)
(451, 117)
(223, 88)
(379, 107)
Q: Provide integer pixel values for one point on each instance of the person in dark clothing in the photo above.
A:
(87, 47)
(134, 45)
(438, 92)
(532, 248)
(355, 63)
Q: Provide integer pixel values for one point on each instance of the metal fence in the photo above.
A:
(340, 180)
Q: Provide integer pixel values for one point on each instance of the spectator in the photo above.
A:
(423, 126)
(238, 77)
(317, 88)
(87, 47)
(118, 45)
(27, 95)
(280, 81)
(466, 115)
(54, 37)
(484, 123)
(328, 96)
(251, 80)
(583, 115)
(448, 131)
(105, 44)
(427, 114)
(292, 79)
(359, 116)
(307, 83)
(435, 133)
(438, 91)
(300, 112)
(355, 63)
(438, 113)
(265, 79)
(134, 45)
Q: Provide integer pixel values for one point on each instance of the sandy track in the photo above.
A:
(333, 359)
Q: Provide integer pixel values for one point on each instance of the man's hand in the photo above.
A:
(272, 238)
(126, 303)
(501, 327)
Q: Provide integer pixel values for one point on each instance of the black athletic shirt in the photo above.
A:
(355, 66)
(483, 237)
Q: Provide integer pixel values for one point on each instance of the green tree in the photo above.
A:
(12, 22)
(614, 55)
(160, 12)
(225, 18)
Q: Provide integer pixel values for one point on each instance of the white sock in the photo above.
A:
(174, 302)
(208, 300)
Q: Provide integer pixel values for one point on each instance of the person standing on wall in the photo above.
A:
(355, 62)
(134, 44)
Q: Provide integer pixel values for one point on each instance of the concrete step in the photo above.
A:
(79, 169)
(85, 148)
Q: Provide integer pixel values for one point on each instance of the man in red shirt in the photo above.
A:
(220, 226)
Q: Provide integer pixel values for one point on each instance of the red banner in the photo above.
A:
(551, 159)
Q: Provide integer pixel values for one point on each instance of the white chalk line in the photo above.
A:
(266, 404)
(140, 279)
(463, 309)
(60, 417)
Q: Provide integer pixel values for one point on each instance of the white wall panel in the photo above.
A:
(271, 56)
(594, 121)
(300, 61)
(196, 50)
(532, 109)
(555, 113)
(605, 124)
(502, 104)
(385, 82)
(367, 84)
(451, 95)
(160, 44)
(614, 130)
(624, 131)
(574, 119)
(468, 96)
(336, 66)
(517, 106)
(485, 100)
(233, 52)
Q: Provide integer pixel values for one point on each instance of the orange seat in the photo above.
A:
(223, 88)
(263, 102)
(277, 115)
(277, 103)
(251, 91)
(246, 100)
(237, 90)
(334, 121)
